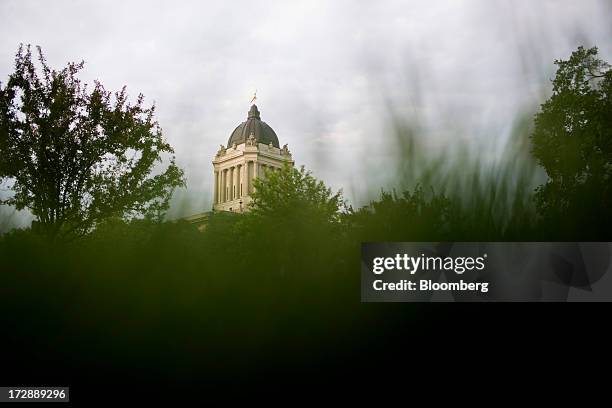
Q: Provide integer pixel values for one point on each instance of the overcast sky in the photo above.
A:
(326, 71)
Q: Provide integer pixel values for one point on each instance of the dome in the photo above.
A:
(253, 125)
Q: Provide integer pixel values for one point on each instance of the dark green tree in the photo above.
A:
(76, 156)
(292, 192)
(293, 223)
(419, 215)
(572, 140)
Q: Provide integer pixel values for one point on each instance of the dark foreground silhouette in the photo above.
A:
(269, 301)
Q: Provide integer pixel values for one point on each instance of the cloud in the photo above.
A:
(325, 72)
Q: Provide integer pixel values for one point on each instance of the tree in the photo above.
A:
(412, 216)
(292, 192)
(572, 140)
(293, 224)
(75, 156)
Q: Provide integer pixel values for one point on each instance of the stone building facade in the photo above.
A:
(251, 150)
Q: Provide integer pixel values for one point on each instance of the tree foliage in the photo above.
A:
(572, 140)
(75, 156)
(292, 214)
(295, 192)
(412, 216)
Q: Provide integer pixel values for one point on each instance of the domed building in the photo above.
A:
(251, 149)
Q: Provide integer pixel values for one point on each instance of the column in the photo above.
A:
(231, 184)
(215, 188)
(226, 185)
(220, 184)
(249, 174)
(245, 169)
(239, 181)
(223, 183)
(230, 173)
(220, 195)
(236, 181)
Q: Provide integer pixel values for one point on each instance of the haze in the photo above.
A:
(327, 73)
